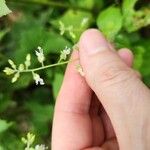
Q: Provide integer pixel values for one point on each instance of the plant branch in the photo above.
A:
(50, 3)
(48, 66)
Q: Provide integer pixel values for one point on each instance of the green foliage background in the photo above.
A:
(25, 107)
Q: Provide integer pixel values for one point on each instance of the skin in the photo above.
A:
(108, 108)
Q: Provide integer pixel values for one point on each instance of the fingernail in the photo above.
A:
(93, 41)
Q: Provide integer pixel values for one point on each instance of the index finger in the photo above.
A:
(72, 128)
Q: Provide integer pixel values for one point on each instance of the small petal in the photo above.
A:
(37, 79)
(64, 53)
(21, 67)
(9, 71)
(41, 147)
(28, 57)
(40, 55)
(15, 78)
(30, 138)
(12, 64)
(28, 61)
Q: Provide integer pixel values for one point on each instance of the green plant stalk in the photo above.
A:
(47, 66)
(50, 3)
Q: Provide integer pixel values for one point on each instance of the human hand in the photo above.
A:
(110, 85)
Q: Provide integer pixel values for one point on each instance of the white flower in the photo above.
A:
(64, 53)
(40, 147)
(40, 55)
(38, 79)
(67, 50)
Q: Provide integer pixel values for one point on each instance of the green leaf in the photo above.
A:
(41, 116)
(134, 20)
(4, 125)
(145, 69)
(89, 4)
(57, 83)
(138, 55)
(121, 41)
(142, 61)
(23, 81)
(128, 7)
(36, 36)
(109, 22)
(4, 10)
(1, 148)
(11, 141)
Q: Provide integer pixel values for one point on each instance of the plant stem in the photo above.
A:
(50, 3)
(42, 64)
(48, 66)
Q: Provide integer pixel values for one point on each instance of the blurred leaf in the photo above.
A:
(138, 55)
(74, 19)
(122, 40)
(128, 40)
(23, 81)
(37, 95)
(41, 116)
(5, 101)
(128, 7)
(1, 148)
(4, 10)
(4, 125)
(134, 20)
(86, 3)
(31, 39)
(145, 69)
(11, 141)
(3, 33)
(109, 21)
(42, 113)
(57, 83)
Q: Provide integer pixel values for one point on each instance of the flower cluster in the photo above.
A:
(24, 67)
(29, 140)
(41, 147)
(17, 70)
(64, 54)
(40, 55)
(68, 29)
(38, 79)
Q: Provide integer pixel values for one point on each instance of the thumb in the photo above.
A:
(120, 91)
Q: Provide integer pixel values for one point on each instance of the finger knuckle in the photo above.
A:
(112, 74)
